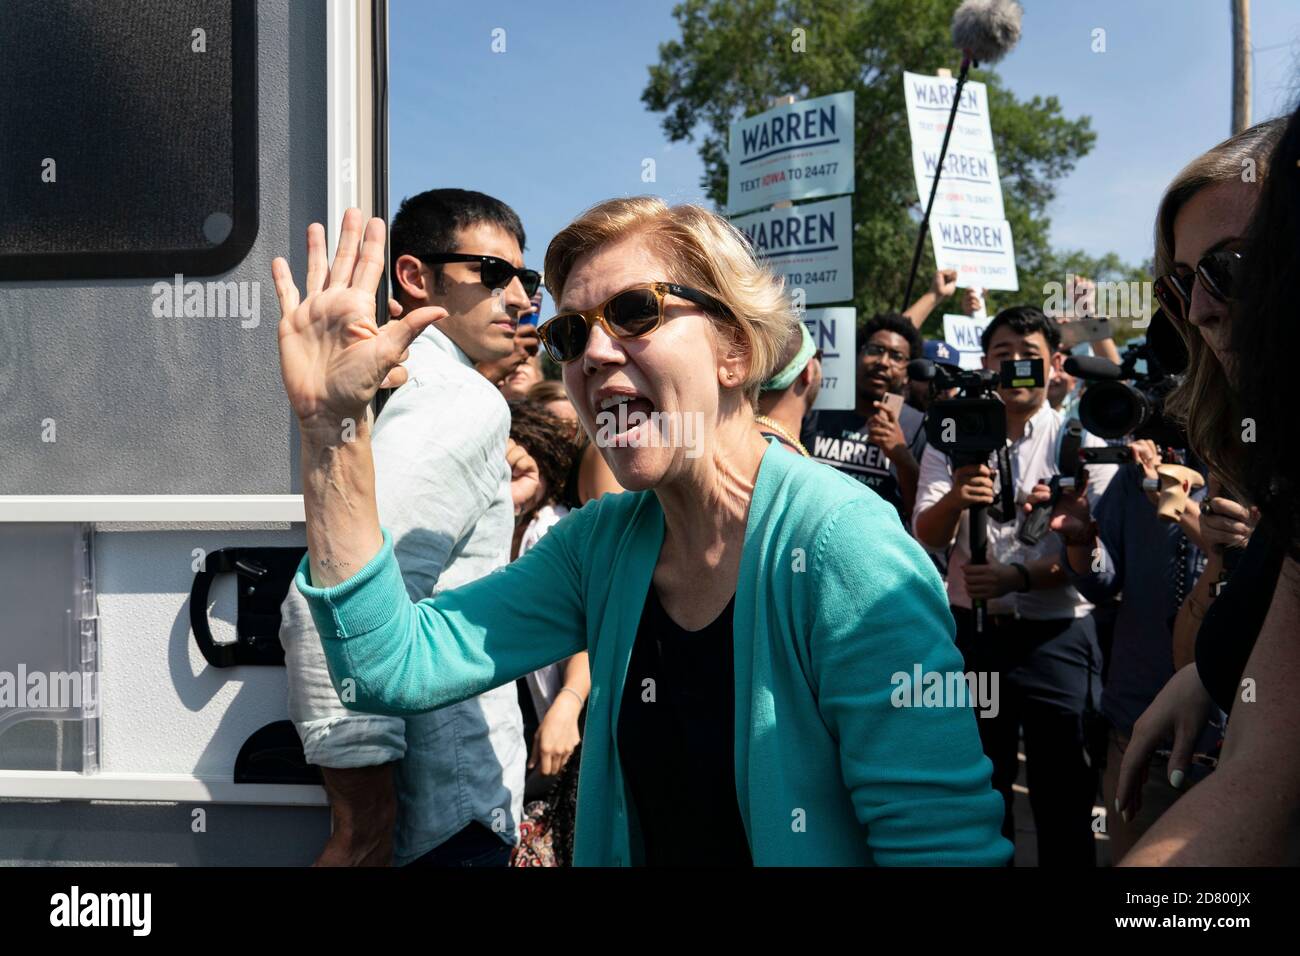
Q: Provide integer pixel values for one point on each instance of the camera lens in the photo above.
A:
(973, 426)
(1113, 409)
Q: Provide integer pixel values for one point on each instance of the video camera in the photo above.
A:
(973, 425)
(1125, 402)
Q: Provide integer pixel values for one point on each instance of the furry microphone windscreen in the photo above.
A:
(986, 30)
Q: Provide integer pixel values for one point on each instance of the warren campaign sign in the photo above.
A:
(964, 333)
(929, 103)
(801, 150)
(810, 246)
(969, 185)
(835, 332)
(980, 250)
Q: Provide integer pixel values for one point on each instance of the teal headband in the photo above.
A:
(784, 378)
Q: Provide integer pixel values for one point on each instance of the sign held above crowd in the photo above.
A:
(799, 150)
(964, 213)
(969, 186)
(803, 149)
(963, 333)
(946, 112)
(810, 246)
(981, 250)
(929, 103)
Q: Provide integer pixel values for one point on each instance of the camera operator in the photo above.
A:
(1038, 635)
(919, 393)
(1124, 546)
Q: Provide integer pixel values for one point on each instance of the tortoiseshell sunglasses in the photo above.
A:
(630, 314)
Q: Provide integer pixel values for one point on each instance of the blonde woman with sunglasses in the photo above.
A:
(755, 621)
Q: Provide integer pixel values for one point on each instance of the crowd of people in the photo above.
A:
(500, 589)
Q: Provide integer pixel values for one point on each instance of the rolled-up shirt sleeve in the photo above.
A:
(437, 472)
(934, 482)
(332, 736)
(388, 655)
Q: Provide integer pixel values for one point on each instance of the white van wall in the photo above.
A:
(144, 405)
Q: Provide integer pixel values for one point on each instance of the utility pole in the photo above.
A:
(1240, 65)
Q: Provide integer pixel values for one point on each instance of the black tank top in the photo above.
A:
(676, 741)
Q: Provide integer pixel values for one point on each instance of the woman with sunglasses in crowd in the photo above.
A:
(1207, 254)
(751, 616)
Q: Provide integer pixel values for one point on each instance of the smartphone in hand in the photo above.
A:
(1084, 330)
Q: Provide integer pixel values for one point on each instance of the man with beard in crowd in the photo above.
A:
(880, 441)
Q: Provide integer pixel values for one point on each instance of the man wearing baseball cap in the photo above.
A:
(940, 353)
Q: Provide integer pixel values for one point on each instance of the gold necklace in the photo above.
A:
(780, 430)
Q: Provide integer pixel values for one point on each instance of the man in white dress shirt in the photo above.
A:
(1039, 637)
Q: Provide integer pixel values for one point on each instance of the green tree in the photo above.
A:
(734, 56)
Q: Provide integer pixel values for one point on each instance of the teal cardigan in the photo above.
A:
(833, 600)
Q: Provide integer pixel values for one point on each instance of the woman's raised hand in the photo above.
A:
(334, 356)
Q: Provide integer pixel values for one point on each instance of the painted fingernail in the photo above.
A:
(1176, 780)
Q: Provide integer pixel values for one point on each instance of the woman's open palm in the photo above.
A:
(334, 356)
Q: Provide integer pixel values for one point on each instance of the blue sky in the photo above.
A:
(555, 123)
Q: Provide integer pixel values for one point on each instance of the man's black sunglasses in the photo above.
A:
(494, 273)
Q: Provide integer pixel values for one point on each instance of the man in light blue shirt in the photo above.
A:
(446, 787)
